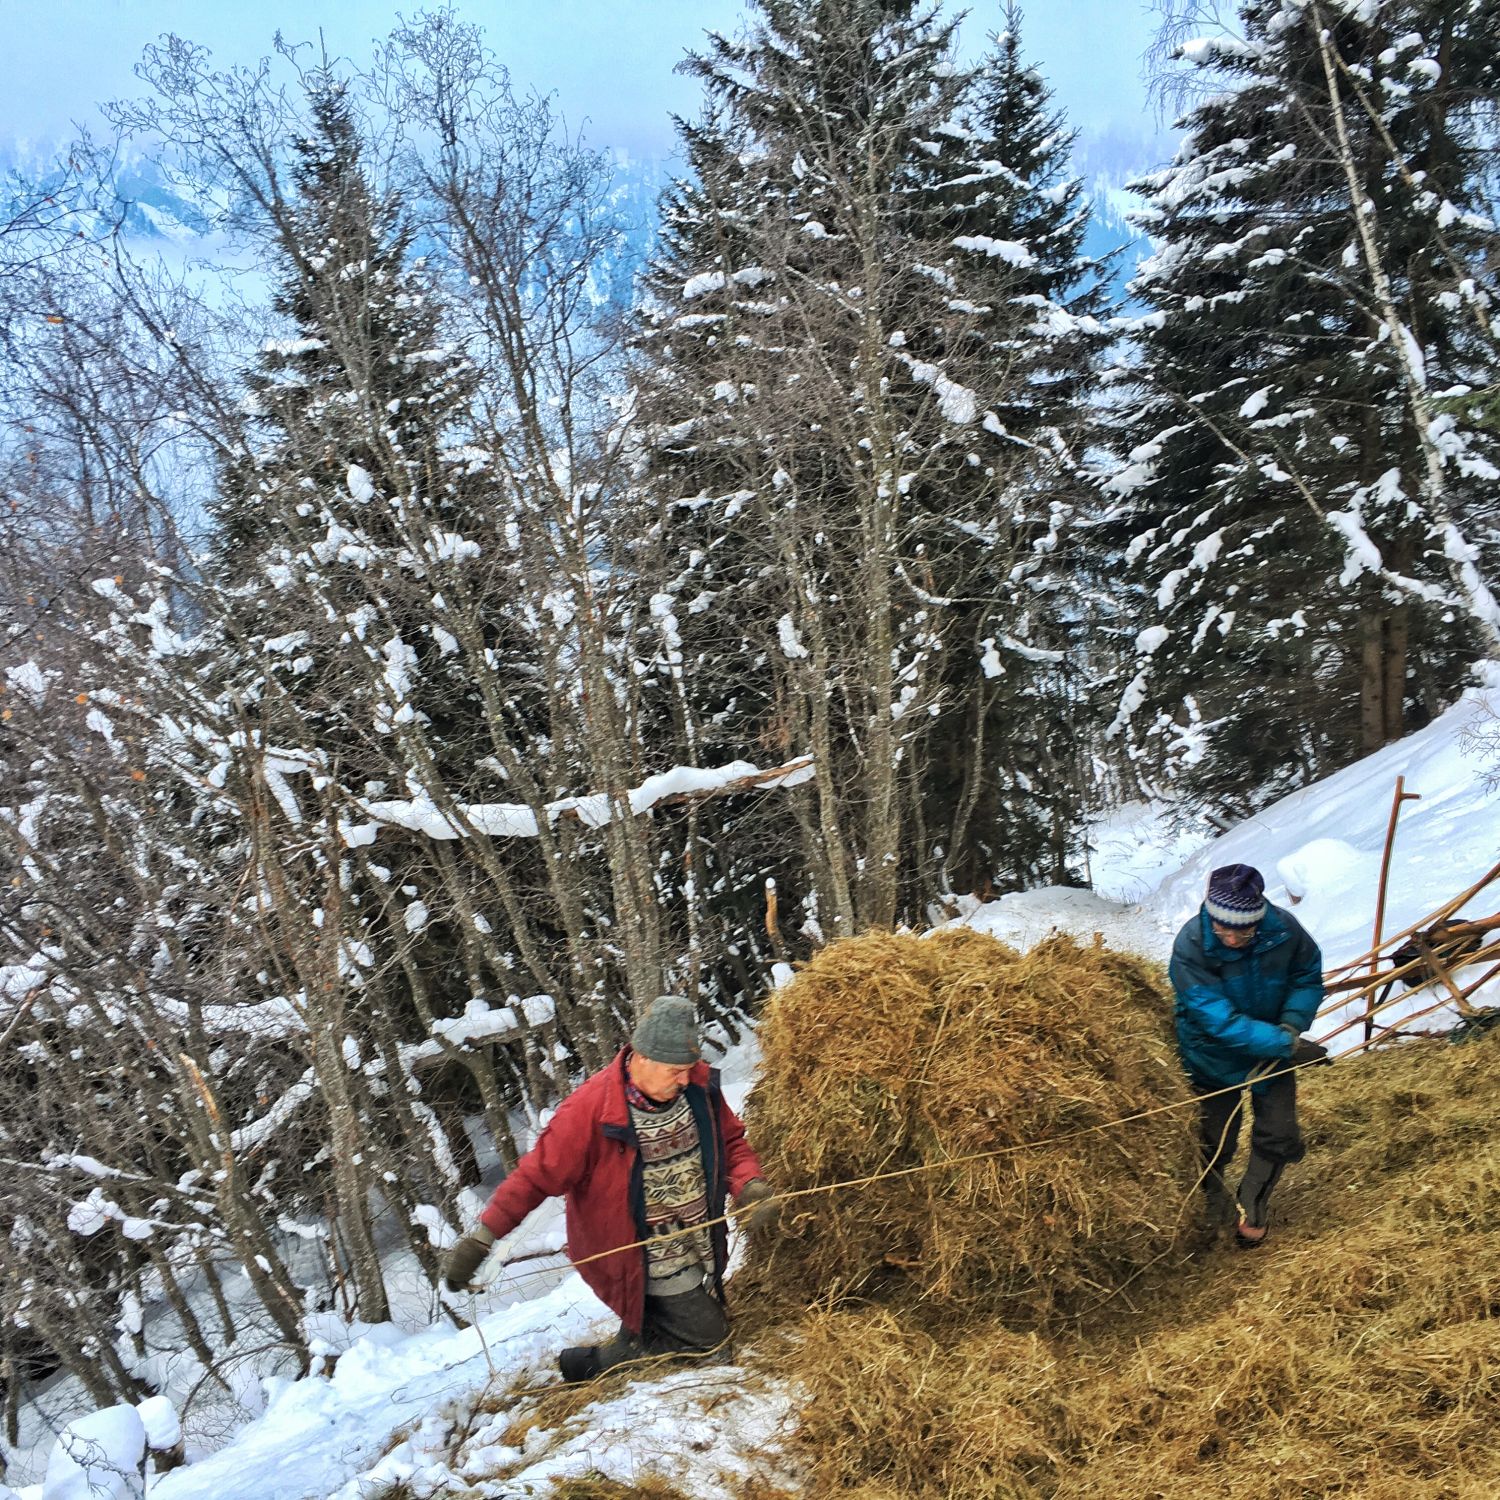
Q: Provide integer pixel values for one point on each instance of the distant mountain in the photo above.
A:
(638, 186)
(1109, 236)
(161, 205)
(158, 207)
(147, 200)
(1108, 162)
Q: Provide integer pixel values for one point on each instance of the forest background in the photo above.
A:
(432, 628)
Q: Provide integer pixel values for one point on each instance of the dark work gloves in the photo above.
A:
(758, 1210)
(465, 1257)
(1304, 1051)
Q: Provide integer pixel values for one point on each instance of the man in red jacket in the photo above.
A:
(644, 1150)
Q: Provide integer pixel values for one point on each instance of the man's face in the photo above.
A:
(1234, 937)
(661, 1082)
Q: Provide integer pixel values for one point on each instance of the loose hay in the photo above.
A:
(897, 1412)
(889, 1052)
(1357, 1355)
(597, 1487)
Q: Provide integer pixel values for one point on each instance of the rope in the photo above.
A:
(1257, 1074)
(778, 1199)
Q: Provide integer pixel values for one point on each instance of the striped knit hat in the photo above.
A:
(1236, 896)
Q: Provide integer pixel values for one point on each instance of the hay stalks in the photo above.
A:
(1358, 1354)
(889, 1052)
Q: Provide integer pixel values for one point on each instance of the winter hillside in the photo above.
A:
(1319, 849)
(422, 1404)
(459, 584)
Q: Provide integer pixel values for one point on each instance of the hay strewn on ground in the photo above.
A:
(890, 1051)
(1356, 1354)
(600, 1488)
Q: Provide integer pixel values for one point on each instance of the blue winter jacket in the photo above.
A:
(1232, 1003)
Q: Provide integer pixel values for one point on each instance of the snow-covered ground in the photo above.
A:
(430, 1407)
(1319, 850)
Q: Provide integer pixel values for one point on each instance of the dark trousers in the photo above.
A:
(1275, 1141)
(688, 1323)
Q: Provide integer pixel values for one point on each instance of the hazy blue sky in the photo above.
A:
(608, 61)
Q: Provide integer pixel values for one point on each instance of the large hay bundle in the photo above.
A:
(1357, 1355)
(894, 1052)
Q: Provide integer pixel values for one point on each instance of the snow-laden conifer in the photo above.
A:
(868, 343)
(1304, 498)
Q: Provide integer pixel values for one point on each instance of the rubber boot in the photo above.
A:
(1256, 1186)
(579, 1363)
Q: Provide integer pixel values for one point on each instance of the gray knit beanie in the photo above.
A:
(668, 1032)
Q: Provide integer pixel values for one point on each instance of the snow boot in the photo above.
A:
(1256, 1186)
(579, 1363)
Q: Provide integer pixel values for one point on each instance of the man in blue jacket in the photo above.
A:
(1249, 980)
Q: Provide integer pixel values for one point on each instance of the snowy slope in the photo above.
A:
(1323, 844)
(430, 1407)
(1319, 849)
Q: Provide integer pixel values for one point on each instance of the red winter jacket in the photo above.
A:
(588, 1154)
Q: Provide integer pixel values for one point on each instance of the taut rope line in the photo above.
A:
(778, 1199)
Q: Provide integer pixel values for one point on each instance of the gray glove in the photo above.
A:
(1304, 1051)
(465, 1257)
(758, 1210)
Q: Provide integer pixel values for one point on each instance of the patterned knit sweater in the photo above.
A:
(676, 1195)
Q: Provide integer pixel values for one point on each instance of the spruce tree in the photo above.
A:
(1007, 781)
(350, 496)
(1294, 584)
(855, 485)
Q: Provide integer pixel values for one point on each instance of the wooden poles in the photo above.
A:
(1426, 952)
(1402, 795)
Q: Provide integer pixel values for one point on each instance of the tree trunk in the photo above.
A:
(228, 1331)
(192, 1330)
(1372, 678)
(238, 1217)
(351, 1187)
(69, 1351)
(1397, 640)
(1469, 585)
